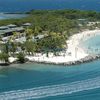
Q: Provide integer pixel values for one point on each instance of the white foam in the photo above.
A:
(53, 90)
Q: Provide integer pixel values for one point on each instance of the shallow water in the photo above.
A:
(92, 45)
(12, 16)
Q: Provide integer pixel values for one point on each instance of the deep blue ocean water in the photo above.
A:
(26, 5)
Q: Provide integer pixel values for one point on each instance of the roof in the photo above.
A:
(18, 28)
(27, 24)
(3, 27)
(11, 30)
(39, 36)
(11, 25)
(82, 19)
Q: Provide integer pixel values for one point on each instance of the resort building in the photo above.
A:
(26, 24)
(82, 21)
(12, 25)
(92, 23)
(9, 29)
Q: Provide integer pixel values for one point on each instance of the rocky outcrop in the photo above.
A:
(84, 60)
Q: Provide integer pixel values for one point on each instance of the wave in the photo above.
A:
(52, 90)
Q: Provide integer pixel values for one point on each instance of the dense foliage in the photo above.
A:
(53, 42)
(21, 57)
(55, 25)
(54, 20)
(4, 57)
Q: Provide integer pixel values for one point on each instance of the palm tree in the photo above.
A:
(30, 46)
(4, 57)
(37, 30)
(16, 34)
(21, 57)
(29, 33)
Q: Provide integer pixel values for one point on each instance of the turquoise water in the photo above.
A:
(50, 82)
(92, 45)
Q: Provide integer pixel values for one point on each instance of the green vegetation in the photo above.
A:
(30, 46)
(53, 42)
(54, 20)
(21, 57)
(55, 25)
(4, 57)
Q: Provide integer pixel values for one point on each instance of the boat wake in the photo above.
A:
(53, 90)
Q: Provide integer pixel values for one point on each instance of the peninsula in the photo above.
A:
(48, 36)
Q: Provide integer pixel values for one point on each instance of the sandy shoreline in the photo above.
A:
(73, 53)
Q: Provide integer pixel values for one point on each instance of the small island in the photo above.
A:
(48, 36)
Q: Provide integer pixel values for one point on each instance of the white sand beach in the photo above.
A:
(73, 53)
